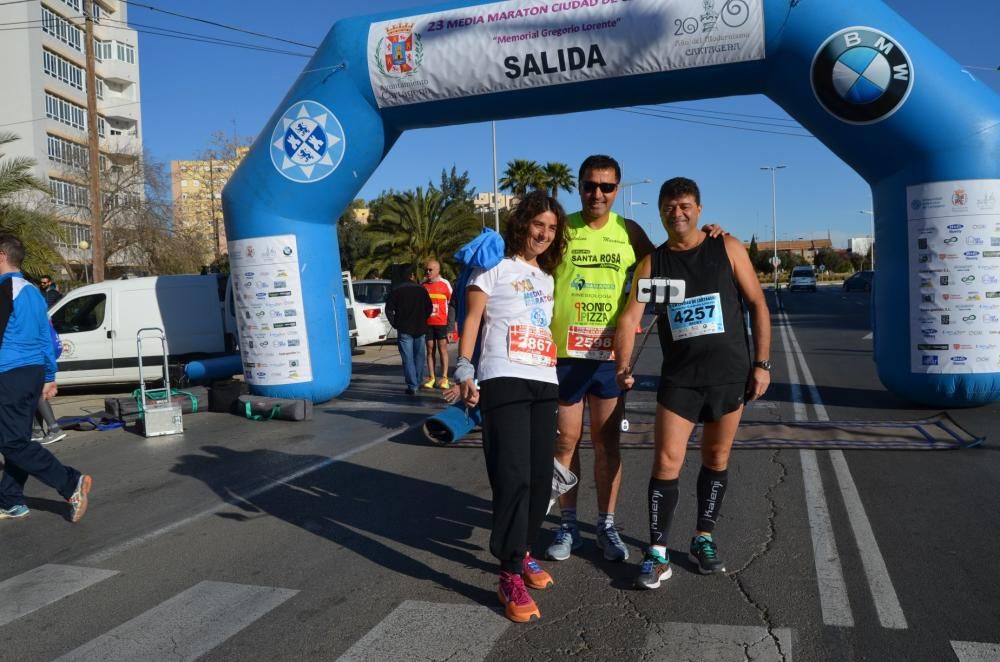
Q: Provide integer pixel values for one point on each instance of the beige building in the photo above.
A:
(484, 201)
(196, 190)
(805, 248)
(44, 99)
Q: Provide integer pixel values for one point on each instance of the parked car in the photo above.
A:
(369, 311)
(803, 278)
(859, 282)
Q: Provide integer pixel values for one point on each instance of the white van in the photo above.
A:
(98, 324)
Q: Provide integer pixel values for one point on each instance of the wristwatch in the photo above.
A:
(765, 364)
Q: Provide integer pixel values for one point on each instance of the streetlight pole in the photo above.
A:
(627, 198)
(496, 201)
(774, 223)
(872, 247)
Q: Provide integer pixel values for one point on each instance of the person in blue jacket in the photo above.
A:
(27, 372)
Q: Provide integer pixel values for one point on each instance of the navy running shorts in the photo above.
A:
(580, 377)
(702, 404)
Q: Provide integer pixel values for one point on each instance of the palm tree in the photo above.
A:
(522, 175)
(414, 226)
(36, 229)
(558, 176)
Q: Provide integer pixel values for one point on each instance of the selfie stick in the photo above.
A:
(631, 364)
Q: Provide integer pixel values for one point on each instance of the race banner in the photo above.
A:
(523, 44)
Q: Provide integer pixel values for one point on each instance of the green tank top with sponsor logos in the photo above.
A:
(590, 287)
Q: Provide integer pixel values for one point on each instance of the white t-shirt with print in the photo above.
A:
(515, 329)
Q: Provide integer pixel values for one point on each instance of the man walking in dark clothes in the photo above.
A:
(408, 308)
(27, 372)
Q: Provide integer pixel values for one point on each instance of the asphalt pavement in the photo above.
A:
(350, 537)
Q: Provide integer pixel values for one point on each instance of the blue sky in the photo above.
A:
(191, 90)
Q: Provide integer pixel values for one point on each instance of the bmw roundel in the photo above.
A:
(861, 75)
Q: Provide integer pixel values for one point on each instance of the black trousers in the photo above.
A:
(520, 418)
(19, 392)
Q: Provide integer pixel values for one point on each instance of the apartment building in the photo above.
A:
(43, 98)
(196, 190)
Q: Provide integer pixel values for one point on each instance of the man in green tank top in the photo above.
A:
(589, 295)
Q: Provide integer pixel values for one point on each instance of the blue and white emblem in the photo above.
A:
(308, 142)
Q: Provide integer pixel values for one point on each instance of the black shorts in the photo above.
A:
(437, 332)
(702, 404)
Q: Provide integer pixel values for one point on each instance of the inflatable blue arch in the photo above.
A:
(921, 131)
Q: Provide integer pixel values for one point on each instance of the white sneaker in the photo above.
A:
(52, 437)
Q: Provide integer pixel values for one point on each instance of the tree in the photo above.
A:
(353, 238)
(754, 250)
(557, 176)
(833, 260)
(23, 214)
(414, 226)
(522, 175)
(455, 187)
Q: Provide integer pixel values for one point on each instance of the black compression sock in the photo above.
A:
(662, 502)
(711, 491)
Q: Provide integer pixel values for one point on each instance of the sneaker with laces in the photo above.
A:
(37, 434)
(429, 383)
(518, 605)
(653, 570)
(444, 383)
(610, 541)
(534, 575)
(705, 555)
(78, 502)
(565, 541)
(14, 512)
(52, 436)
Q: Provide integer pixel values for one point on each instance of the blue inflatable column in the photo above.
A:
(281, 209)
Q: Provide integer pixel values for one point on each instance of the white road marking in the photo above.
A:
(41, 586)
(833, 600)
(880, 584)
(694, 642)
(186, 626)
(890, 612)
(430, 631)
(105, 554)
(971, 651)
(869, 336)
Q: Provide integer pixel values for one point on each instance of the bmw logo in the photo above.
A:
(861, 75)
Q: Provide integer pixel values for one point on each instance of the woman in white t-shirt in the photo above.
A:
(512, 305)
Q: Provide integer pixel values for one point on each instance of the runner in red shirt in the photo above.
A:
(437, 323)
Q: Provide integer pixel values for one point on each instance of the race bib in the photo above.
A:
(697, 316)
(531, 345)
(588, 342)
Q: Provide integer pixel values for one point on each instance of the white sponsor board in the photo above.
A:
(269, 310)
(524, 44)
(954, 251)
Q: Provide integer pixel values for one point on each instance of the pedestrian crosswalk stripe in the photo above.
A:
(430, 631)
(971, 651)
(186, 626)
(41, 586)
(696, 642)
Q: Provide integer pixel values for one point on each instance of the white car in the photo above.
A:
(369, 311)
(803, 278)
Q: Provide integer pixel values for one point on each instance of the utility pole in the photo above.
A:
(774, 224)
(93, 149)
(215, 217)
(496, 201)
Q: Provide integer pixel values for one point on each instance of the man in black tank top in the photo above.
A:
(707, 371)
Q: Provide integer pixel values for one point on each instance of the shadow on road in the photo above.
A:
(353, 505)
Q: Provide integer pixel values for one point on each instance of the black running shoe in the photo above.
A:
(705, 554)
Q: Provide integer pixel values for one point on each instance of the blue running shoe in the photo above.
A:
(654, 569)
(14, 512)
(565, 541)
(705, 555)
(610, 541)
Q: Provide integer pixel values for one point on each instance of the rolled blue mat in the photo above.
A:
(448, 426)
(217, 368)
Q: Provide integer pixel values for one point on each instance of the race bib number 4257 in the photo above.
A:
(697, 316)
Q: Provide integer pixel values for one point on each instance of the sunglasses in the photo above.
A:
(590, 187)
